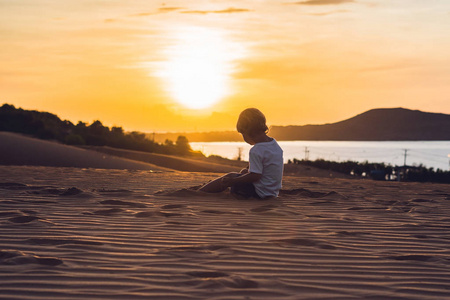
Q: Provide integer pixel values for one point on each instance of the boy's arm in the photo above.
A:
(244, 171)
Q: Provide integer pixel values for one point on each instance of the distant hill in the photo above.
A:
(384, 124)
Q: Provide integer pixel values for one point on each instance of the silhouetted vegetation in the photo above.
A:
(423, 174)
(380, 171)
(213, 136)
(347, 167)
(48, 126)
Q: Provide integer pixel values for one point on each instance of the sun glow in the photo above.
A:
(198, 67)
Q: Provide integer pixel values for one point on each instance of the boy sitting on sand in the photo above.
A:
(262, 178)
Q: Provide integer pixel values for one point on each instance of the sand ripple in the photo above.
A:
(107, 234)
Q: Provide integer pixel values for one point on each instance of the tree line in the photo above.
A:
(380, 171)
(48, 126)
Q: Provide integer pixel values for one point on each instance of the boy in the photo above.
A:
(262, 178)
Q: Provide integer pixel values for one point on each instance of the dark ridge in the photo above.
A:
(385, 124)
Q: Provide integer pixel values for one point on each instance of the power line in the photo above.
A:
(421, 156)
(430, 154)
(406, 154)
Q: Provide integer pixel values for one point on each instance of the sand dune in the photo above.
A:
(16, 149)
(173, 162)
(20, 150)
(71, 233)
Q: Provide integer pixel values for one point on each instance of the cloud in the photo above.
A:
(328, 13)
(169, 9)
(224, 11)
(323, 2)
(161, 10)
(145, 14)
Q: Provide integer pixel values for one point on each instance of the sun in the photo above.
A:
(198, 66)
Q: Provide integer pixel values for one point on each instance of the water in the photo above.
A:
(432, 154)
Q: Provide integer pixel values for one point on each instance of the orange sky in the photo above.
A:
(194, 65)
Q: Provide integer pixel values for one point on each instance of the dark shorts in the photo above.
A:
(246, 190)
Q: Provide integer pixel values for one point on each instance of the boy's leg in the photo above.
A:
(244, 190)
(216, 185)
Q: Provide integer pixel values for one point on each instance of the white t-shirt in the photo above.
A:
(267, 159)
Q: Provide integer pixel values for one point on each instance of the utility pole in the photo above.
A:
(405, 155)
(239, 158)
(306, 153)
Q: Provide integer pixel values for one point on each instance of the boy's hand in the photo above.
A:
(244, 171)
